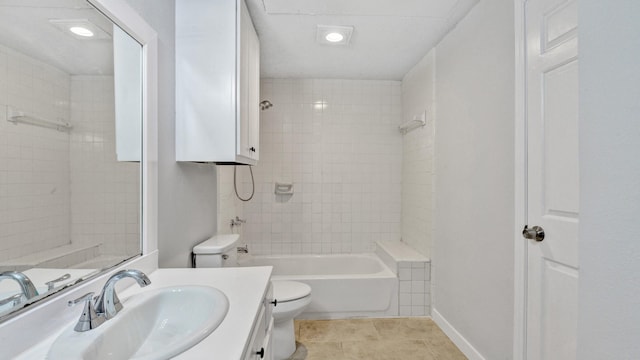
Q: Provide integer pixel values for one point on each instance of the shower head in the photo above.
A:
(265, 104)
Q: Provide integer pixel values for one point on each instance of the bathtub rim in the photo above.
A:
(385, 271)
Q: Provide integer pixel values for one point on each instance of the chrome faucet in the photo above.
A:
(28, 290)
(243, 249)
(237, 221)
(107, 303)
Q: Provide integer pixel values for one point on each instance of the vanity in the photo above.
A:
(243, 334)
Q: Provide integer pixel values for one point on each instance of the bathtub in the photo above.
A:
(342, 286)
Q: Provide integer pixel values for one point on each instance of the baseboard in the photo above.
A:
(467, 349)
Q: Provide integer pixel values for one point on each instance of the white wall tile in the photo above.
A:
(327, 137)
(34, 169)
(105, 192)
(60, 188)
(417, 157)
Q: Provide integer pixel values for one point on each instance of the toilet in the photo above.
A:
(290, 297)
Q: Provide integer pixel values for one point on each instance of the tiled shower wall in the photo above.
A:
(105, 193)
(417, 158)
(46, 200)
(337, 142)
(34, 161)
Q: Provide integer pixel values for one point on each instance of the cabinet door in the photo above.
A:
(248, 78)
(256, 350)
(254, 94)
(267, 344)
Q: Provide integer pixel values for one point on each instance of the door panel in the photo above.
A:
(558, 321)
(553, 178)
(560, 111)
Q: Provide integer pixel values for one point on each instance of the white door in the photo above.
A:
(553, 178)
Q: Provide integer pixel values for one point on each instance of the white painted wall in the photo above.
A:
(418, 95)
(474, 192)
(609, 319)
(187, 191)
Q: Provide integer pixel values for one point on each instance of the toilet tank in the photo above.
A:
(217, 251)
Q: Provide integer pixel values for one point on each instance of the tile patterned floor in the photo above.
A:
(375, 339)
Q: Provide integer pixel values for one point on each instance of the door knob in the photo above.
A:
(535, 233)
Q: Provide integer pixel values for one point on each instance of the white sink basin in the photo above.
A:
(155, 324)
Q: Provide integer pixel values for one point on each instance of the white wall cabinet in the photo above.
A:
(217, 82)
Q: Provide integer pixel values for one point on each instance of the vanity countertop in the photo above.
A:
(244, 287)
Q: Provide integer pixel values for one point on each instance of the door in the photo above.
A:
(553, 178)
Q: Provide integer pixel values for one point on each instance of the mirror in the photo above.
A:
(69, 201)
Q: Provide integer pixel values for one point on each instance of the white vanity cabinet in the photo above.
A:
(217, 82)
(259, 347)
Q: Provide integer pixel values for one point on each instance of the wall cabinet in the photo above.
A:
(217, 82)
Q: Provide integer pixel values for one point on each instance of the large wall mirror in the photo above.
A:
(70, 147)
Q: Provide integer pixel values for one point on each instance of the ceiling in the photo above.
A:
(25, 27)
(389, 38)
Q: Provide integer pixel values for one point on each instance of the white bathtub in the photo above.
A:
(342, 286)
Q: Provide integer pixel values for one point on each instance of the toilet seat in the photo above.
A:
(287, 291)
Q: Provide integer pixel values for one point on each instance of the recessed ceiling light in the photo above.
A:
(81, 31)
(333, 34)
(334, 37)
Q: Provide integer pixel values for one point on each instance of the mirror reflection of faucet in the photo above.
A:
(26, 285)
(13, 300)
(106, 305)
(51, 284)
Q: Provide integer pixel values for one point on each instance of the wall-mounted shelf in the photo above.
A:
(283, 188)
(416, 122)
(16, 116)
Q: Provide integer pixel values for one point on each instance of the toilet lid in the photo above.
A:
(217, 244)
(285, 291)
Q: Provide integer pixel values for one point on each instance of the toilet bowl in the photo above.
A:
(292, 298)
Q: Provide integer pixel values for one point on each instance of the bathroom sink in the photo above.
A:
(154, 324)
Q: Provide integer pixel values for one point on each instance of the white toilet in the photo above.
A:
(290, 297)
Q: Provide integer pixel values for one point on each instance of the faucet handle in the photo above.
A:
(89, 318)
(86, 297)
(51, 284)
(14, 300)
